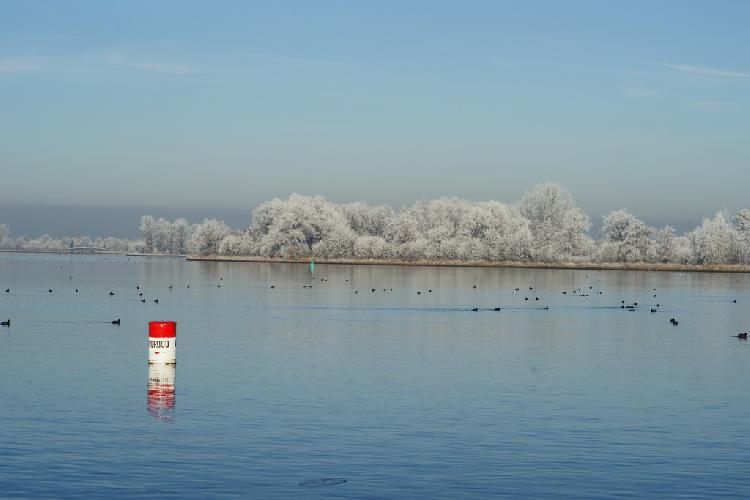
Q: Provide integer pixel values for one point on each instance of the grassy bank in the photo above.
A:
(629, 266)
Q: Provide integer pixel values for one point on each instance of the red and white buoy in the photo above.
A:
(162, 337)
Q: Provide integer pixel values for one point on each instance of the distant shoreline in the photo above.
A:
(635, 266)
(61, 252)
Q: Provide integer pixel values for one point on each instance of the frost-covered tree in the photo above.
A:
(665, 245)
(715, 241)
(625, 238)
(558, 226)
(364, 219)
(207, 236)
(162, 236)
(148, 226)
(293, 227)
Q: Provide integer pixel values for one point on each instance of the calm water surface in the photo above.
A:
(401, 394)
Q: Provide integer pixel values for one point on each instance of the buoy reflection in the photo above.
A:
(161, 391)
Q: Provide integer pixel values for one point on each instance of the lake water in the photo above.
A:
(286, 391)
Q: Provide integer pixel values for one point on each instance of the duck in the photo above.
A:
(143, 300)
(140, 294)
(7, 290)
(742, 336)
(156, 301)
(76, 290)
(497, 309)
(273, 286)
(170, 287)
(475, 309)
(111, 294)
(50, 290)
(546, 308)
(116, 321)
(653, 310)
(5, 323)
(674, 321)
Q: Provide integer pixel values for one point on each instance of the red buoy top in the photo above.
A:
(161, 329)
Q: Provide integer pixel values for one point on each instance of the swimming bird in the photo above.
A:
(497, 309)
(273, 286)
(356, 291)
(111, 293)
(76, 290)
(525, 298)
(653, 310)
(116, 321)
(137, 287)
(143, 300)
(7, 290)
(475, 309)
(140, 294)
(430, 290)
(419, 293)
(735, 300)
(742, 336)
(373, 290)
(170, 287)
(5, 323)
(156, 301)
(537, 298)
(546, 308)
(50, 290)
(674, 322)
(474, 286)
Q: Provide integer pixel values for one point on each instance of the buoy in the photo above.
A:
(162, 337)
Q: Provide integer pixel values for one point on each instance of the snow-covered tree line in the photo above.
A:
(544, 226)
(46, 243)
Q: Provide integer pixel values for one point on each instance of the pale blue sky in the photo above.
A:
(220, 105)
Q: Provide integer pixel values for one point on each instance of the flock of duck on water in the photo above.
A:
(577, 291)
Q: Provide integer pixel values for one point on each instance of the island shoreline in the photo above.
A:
(576, 266)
